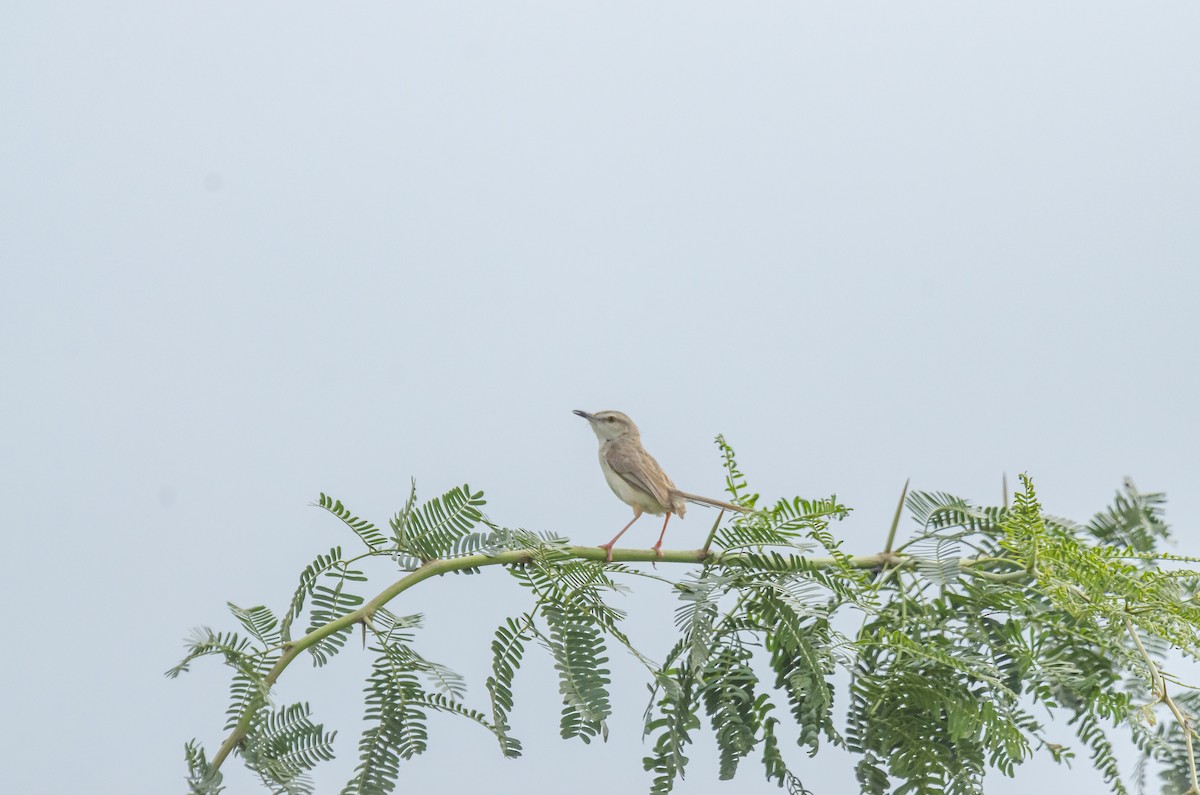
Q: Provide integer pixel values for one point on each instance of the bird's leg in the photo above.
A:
(608, 547)
(658, 546)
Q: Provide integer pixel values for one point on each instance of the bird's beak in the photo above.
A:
(583, 414)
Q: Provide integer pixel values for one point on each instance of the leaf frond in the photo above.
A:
(371, 536)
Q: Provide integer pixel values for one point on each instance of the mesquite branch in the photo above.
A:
(433, 568)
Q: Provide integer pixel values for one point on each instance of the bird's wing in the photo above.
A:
(639, 469)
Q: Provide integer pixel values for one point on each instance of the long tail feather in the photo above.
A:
(698, 500)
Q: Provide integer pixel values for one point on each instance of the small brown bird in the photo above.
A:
(636, 477)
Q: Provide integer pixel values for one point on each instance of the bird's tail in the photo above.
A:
(697, 499)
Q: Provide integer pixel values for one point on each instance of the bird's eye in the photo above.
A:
(612, 419)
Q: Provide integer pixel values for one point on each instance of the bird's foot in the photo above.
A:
(608, 552)
(658, 550)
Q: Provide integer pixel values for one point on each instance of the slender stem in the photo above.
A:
(1156, 680)
(1158, 685)
(438, 567)
(1185, 724)
(374, 553)
(1007, 576)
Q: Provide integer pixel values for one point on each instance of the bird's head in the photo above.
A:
(609, 425)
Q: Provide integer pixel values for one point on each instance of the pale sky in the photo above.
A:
(253, 252)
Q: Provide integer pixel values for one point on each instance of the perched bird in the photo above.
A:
(636, 477)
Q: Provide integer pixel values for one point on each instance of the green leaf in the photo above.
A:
(201, 778)
(204, 642)
(397, 727)
(507, 650)
(284, 746)
(1135, 520)
(433, 530)
(331, 602)
(732, 706)
(368, 533)
(308, 580)
(676, 720)
(578, 649)
(259, 622)
(696, 618)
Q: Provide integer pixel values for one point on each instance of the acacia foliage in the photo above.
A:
(990, 634)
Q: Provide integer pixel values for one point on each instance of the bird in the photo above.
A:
(636, 478)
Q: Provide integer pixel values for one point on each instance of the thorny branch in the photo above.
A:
(432, 568)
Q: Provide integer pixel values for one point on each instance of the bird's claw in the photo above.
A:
(608, 552)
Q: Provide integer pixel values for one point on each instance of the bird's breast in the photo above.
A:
(629, 494)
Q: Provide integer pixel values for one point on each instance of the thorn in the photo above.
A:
(367, 622)
(887, 549)
(712, 533)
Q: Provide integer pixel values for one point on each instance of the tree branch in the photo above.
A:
(438, 567)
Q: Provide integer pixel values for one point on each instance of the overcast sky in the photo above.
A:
(256, 251)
